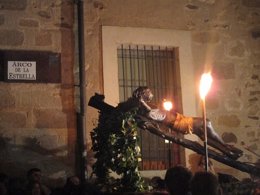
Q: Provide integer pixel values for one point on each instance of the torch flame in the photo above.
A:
(205, 84)
(167, 105)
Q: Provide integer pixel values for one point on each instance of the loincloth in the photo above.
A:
(183, 124)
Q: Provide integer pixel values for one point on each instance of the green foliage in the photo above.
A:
(114, 142)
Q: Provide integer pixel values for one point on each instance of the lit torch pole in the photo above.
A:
(205, 84)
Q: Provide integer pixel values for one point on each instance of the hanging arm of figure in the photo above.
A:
(145, 105)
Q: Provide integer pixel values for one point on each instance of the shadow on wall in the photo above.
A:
(16, 160)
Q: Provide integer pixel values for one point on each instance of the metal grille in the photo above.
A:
(155, 67)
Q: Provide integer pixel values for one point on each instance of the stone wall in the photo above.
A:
(37, 121)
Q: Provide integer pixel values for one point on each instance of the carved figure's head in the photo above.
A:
(143, 93)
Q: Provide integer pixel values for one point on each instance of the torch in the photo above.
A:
(205, 84)
(167, 105)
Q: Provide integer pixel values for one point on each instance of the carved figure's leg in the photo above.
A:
(199, 130)
(185, 125)
(214, 139)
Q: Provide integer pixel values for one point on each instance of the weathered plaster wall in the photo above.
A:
(37, 121)
(225, 39)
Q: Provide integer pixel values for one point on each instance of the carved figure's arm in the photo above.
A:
(145, 105)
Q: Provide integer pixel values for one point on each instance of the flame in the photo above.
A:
(167, 105)
(205, 84)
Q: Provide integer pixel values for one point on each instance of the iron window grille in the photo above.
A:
(158, 68)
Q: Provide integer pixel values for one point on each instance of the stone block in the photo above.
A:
(256, 67)
(67, 98)
(229, 120)
(208, 1)
(44, 14)
(66, 72)
(50, 118)
(253, 100)
(253, 147)
(255, 77)
(233, 104)
(229, 137)
(28, 96)
(250, 134)
(192, 7)
(237, 49)
(253, 110)
(13, 4)
(11, 37)
(49, 141)
(29, 23)
(254, 117)
(67, 42)
(98, 5)
(251, 3)
(43, 39)
(224, 71)
(206, 37)
(67, 15)
(255, 34)
(252, 93)
(7, 99)
(13, 119)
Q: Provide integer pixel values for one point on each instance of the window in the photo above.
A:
(131, 57)
(156, 67)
